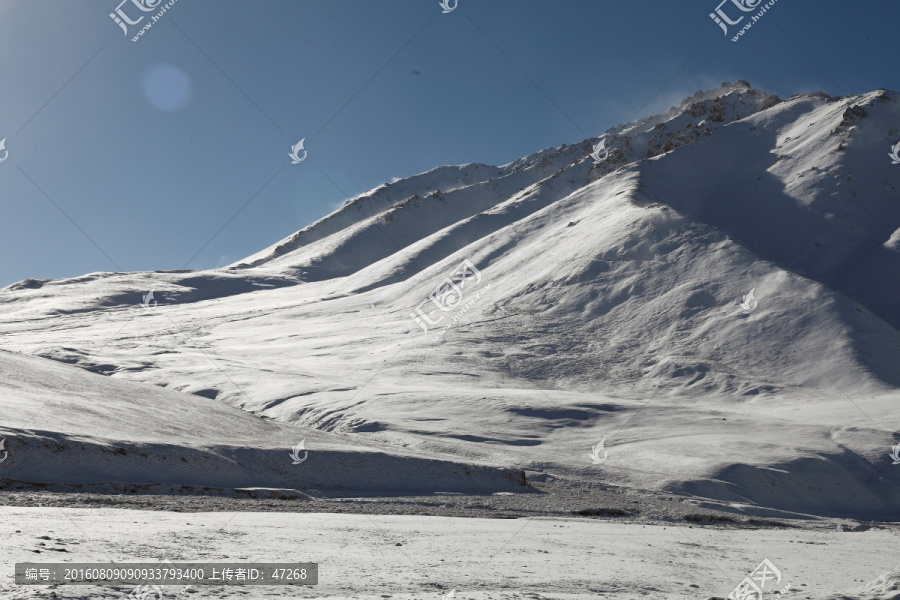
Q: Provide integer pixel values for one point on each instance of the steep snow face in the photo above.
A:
(809, 189)
(411, 189)
(603, 302)
(388, 219)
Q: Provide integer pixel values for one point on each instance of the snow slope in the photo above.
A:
(105, 434)
(606, 306)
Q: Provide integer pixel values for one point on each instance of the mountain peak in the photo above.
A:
(724, 89)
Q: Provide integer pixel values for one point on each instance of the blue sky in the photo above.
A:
(140, 155)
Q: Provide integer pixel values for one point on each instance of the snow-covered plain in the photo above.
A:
(601, 302)
(406, 557)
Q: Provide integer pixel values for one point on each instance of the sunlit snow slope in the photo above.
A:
(602, 302)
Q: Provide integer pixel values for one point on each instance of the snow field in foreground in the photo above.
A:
(407, 557)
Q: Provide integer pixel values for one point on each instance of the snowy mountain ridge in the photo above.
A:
(608, 306)
(729, 102)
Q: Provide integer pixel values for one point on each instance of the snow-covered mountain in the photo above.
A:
(516, 316)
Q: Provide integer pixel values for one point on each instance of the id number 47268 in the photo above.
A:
(289, 574)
